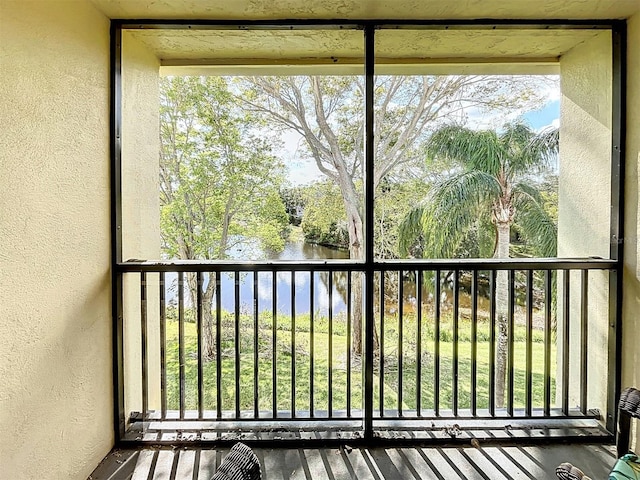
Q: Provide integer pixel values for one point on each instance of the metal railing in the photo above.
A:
(274, 342)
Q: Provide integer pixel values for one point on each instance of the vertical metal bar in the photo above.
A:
(369, 32)
(510, 344)
(400, 339)
(584, 340)
(381, 395)
(163, 347)
(256, 334)
(492, 343)
(218, 345)
(529, 350)
(436, 347)
(293, 344)
(547, 341)
(616, 247)
(181, 365)
(143, 346)
(115, 131)
(330, 353)
(456, 327)
(200, 341)
(566, 303)
(274, 343)
(474, 342)
(312, 307)
(419, 343)
(349, 274)
(236, 338)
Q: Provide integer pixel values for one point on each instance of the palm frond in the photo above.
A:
(537, 226)
(545, 144)
(472, 149)
(436, 227)
(411, 228)
(465, 192)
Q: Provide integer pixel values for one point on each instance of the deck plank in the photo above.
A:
(423, 463)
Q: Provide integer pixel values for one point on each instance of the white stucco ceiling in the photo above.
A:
(342, 51)
(368, 9)
(221, 46)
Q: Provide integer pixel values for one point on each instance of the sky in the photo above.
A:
(548, 115)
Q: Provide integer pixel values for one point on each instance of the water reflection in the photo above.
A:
(293, 290)
(288, 285)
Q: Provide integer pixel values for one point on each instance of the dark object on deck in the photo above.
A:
(240, 464)
(628, 408)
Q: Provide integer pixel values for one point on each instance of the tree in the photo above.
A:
(327, 111)
(219, 181)
(491, 183)
(323, 220)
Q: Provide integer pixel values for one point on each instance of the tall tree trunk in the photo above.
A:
(206, 336)
(502, 307)
(356, 252)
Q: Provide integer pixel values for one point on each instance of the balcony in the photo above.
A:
(494, 462)
(287, 374)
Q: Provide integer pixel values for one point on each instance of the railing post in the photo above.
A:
(618, 138)
(369, 224)
(119, 423)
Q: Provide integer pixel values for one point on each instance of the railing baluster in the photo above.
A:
(218, 276)
(584, 339)
(381, 399)
(293, 344)
(256, 333)
(456, 360)
(349, 344)
(199, 340)
(419, 343)
(400, 339)
(143, 346)
(548, 282)
(474, 342)
(181, 341)
(274, 342)
(436, 347)
(529, 340)
(236, 339)
(510, 337)
(565, 341)
(492, 343)
(163, 348)
(330, 365)
(312, 308)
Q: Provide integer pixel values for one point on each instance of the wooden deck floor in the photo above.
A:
(442, 463)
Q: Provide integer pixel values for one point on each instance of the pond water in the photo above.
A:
(286, 297)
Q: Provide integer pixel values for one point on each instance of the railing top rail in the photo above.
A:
(469, 264)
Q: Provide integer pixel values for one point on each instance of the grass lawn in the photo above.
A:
(321, 361)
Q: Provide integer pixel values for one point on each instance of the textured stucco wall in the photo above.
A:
(631, 279)
(140, 213)
(55, 354)
(584, 200)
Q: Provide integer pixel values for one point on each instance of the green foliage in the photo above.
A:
(324, 220)
(393, 199)
(219, 176)
(493, 182)
(294, 203)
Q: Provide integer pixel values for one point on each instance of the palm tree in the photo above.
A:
(491, 188)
